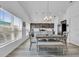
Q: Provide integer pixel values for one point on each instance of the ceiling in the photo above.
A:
(35, 11)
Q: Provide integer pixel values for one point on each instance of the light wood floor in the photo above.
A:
(23, 51)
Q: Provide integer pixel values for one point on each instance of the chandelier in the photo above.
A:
(48, 18)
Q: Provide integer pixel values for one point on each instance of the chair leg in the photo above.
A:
(37, 48)
(30, 46)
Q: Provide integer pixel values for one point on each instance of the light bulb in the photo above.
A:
(46, 18)
(50, 17)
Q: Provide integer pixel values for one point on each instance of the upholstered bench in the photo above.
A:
(50, 45)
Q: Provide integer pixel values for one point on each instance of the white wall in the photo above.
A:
(56, 20)
(72, 17)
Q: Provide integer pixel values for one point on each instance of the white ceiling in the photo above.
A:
(15, 8)
(38, 10)
(35, 11)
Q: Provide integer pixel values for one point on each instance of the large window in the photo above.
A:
(17, 27)
(10, 26)
(18, 22)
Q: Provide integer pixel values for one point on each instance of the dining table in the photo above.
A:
(59, 40)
